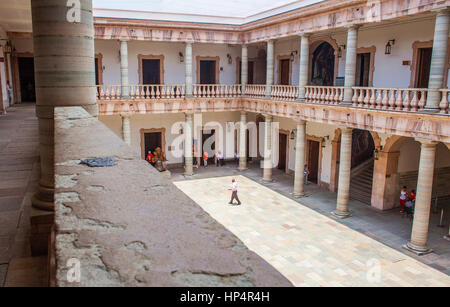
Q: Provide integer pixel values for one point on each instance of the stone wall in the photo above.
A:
(129, 226)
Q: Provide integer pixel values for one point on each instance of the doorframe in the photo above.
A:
(204, 58)
(287, 133)
(413, 67)
(15, 73)
(372, 49)
(151, 57)
(319, 166)
(313, 44)
(279, 59)
(153, 130)
(216, 129)
(99, 58)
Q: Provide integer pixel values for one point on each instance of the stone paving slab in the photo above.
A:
(308, 248)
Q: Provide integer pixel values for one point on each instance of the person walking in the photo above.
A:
(403, 197)
(234, 192)
(306, 173)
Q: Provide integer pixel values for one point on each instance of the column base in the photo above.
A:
(300, 100)
(341, 214)
(298, 195)
(418, 250)
(447, 237)
(267, 180)
(43, 199)
(346, 103)
(243, 168)
(189, 174)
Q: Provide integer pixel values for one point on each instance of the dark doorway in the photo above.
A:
(250, 72)
(313, 160)
(207, 72)
(282, 141)
(208, 144)
(152, 140)
(362, 69)
(322, 69)
(423, 67)
(151, 71)
(97, 79)
(363, 146)
(26, 77)
(285, 71)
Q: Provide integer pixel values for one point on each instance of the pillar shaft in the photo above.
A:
(304, 65)
(188, 69)
(188, 169)
(422, 208)
(126, 129)
(125, 90)
(243, 142)
(244, 67)
(438, 60)
(267, 163)
(299, 178)
(64, 76)
(344, 173)
(350, 63)
(270, 64)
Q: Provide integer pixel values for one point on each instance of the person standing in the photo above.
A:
(403, 197)
(9, 90)
(234, 192)
(205, 159)
(306, 173)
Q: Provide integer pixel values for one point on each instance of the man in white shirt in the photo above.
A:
(234, 192)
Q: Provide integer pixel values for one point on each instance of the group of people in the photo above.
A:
(220, 161)
(157, 158)
(407, 200)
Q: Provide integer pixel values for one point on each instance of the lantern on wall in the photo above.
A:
(388, 48)
(230, 59)
(293, 54)
(180, 54)
(340, 50)
(292, 137)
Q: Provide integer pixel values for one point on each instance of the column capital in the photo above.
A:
(270, 41)
(353, 26)
(445, 10)
(346, 130)
(243, 112)
(300, 122)
(189, 42)
(304, 34)
(268, 117)
(188, 114)
(123, 40)
(426, 142)
(125, 115)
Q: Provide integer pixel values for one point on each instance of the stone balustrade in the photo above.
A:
(393, 99)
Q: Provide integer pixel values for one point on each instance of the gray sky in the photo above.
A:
(227, 8)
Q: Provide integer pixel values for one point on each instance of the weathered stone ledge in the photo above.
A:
(129, 226)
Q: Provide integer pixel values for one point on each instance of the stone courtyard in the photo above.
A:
(307, 247)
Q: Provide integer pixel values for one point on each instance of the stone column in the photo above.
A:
(243, 142)
(64, 76)
(438, 61)
(188, 169)
(304, 65)
(2, 106)
(267, 163)
(299, 178)
(350, 63)
(270, 64)
(244, 68)
(126, 131)
(344, 174)
(125, 90)
(188, 69)
(419, 235)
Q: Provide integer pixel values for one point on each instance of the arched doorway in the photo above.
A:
(323, 65)
(363, 147)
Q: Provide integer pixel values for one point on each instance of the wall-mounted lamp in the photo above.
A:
(375, 154)
(7, 48)
(230, 59)
(388, 48)
(293, 54)
(292, 137)
(181, 129)
(341, 47)
(180, 54)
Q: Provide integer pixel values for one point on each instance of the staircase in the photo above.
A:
(361, 182)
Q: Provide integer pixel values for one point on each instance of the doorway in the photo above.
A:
(282, 151)
(208, 72)
(362, 69)
(26, 79)
(150, 139)
(285, 71)
(208, 145)
(151, 71)
(251, 65)
(313, 160)
(423, 67)
(322, 65)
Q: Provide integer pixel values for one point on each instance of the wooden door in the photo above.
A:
(151, 71)
(313, 160)
(423, 68)
(285, 66)
(282, 140)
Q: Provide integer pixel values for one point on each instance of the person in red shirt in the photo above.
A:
(149, 157)
(205, 159)
(412, 196)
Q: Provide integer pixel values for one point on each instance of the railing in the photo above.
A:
(255, 90)
(444, 105)
(398, 99)
(285, 92)
(216, 90)
(324, 94)
(160, 91)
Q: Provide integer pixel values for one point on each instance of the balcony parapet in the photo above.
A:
(127, 225)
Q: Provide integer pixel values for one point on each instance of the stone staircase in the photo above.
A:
(361, 182)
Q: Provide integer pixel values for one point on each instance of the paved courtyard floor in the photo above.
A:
(301, 239)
